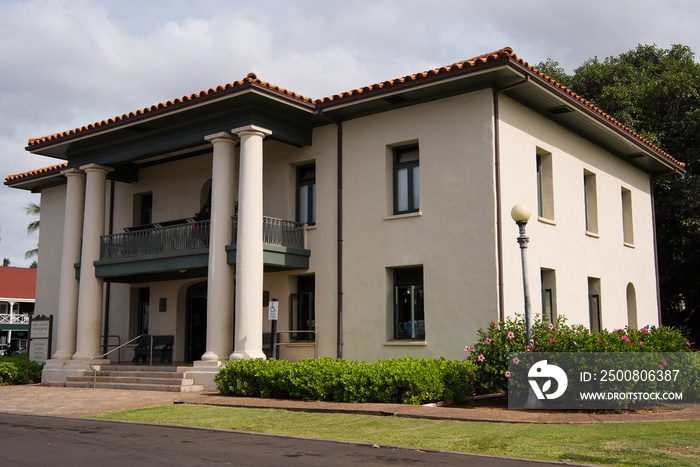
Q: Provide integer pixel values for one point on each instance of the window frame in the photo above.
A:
(412, 199)
(627, 217)
(545, 184)
(306, 293)
(310, 184)
(405, 278)
(590, 201)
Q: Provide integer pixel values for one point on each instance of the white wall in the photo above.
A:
(453, 236)
(564, 245)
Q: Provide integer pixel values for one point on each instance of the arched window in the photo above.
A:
(631, 306)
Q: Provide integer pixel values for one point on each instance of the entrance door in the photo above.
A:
(196, 322)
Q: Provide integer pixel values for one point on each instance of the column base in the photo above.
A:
(210, 356)
(247, 355)
(85, 360)
(203, 373)
(61, 356)
(57, 370)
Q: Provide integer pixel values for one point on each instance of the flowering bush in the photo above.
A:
(490, 353)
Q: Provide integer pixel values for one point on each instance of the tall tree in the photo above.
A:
(656, 92)
(32, 209)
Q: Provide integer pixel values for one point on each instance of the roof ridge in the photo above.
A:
(250, 78)
(483, 58)
(43, 171)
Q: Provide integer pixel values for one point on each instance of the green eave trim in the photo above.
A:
(277, 258)
(181, 128)
(190, 264)
(14, 327)
(167, 266)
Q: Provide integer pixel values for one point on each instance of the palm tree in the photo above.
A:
(32, 209)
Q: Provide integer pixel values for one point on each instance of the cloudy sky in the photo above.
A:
(68, 63)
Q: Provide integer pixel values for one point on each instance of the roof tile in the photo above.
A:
(504, 53)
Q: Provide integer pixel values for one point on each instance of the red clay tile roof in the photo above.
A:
(251, 78)
(54, 169)
(502, 54)
(490, 57)
(19, 283)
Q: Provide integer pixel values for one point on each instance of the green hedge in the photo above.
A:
(17, 369)
(407, 380)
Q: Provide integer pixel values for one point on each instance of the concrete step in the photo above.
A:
(134, 380)
(140, 374)
(134, 367)
(134, 386)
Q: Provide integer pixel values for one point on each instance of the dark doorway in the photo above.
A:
(196, 322)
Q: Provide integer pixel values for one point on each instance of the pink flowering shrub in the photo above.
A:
(490, 353)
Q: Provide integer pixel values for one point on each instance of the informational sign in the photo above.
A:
(272, 311)
(39, 328)
(39, 346)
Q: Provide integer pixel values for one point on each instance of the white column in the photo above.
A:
(90, 288)
(220, 288)
(68, 289)
(249, 247)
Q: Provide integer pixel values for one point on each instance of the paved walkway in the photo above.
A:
(75, 402)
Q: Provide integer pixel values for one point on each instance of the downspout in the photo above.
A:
(339, 227)
(497, 164)
(108, 292)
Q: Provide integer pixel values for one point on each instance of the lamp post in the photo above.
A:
(521, 214)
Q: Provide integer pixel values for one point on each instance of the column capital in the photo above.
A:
(251, 129)
(73, 172)
(221, 136)
(96, 168)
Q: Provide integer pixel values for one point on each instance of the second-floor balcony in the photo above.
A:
(14, 322)
(180, 249)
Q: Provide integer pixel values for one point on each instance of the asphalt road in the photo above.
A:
(43, 440)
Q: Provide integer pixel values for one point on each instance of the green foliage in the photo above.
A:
(407, 380)
(490, 353)
(552, 69)
(17, 369)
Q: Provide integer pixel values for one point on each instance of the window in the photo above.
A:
(143, 311)
(548, 280)
(590, 202)
(302, 308)
(406, 180)
(409, 315)
(594, 310)
(627, 224)
(631, 306)
(143, 209)
(306, 194)
(545, 185)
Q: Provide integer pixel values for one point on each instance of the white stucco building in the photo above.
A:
(379, 218)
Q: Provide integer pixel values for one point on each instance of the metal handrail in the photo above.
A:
(277, 343)
(118, 344)
(94, 375)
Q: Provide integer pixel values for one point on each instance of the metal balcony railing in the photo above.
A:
(14, 318)
(157, 240)
(278, 232)
(190, 236)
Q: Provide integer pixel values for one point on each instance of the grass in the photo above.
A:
(623, 444)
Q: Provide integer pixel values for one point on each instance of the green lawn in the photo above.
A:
(625, 444)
